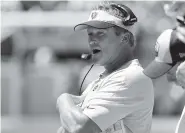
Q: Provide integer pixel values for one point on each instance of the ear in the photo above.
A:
(125, 38)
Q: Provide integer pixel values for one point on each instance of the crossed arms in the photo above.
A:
(71, 116)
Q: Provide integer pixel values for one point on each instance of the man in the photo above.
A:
(180, 75)
(169, 60)
(170, 54)
(177, 10)
(122, 99)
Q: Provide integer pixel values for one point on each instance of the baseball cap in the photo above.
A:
(114, 15)
(169, 50)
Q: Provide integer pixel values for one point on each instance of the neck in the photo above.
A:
(117, 64)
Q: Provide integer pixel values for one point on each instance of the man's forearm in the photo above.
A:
(72, 117)
(68, 111)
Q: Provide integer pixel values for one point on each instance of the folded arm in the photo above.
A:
(72, 117)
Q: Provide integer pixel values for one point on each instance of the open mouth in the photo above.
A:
(95, 51)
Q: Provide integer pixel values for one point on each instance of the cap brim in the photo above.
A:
(95, 24)
(156, 69)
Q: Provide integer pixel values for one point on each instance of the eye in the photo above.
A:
(101, 33)
(89, 34)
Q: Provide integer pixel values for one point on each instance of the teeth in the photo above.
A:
(95, 51)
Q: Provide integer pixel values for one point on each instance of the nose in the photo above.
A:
(93, 43)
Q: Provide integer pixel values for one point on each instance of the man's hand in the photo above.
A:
(73, 120)
(180, 74)
(60, 103)
(62, 130)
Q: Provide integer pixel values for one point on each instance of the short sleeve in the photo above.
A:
(116, 99)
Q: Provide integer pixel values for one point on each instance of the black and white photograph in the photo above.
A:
(92, 66)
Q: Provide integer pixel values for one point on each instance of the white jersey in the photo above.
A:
(122, 102)
(180, 74)
(181, 124)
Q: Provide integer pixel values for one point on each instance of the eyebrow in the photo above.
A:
(99, 31)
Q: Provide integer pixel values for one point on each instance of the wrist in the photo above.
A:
(63, 100)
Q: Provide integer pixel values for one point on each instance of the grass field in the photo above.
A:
(50, 125)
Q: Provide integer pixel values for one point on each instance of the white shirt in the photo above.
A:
(122, 102)
(180, 74)
(181, 124)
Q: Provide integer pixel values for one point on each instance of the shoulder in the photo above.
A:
(134, 76)
(131, 75)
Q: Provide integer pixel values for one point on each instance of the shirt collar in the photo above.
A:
(129, 63)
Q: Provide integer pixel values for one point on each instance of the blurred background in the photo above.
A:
(41, 59)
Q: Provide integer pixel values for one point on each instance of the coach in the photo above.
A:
(121, 99)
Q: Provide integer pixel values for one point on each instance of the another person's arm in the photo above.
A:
(180, 74)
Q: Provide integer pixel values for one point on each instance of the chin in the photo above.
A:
(98, 61)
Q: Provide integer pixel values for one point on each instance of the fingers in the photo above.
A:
(60, 99)
(61, 130)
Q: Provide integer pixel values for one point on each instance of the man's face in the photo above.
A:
(171, 75)
(105, 45)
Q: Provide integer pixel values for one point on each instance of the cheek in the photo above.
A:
(172, 71)
(106, 47)
(109, 45)
(111, 50)
(171, 75)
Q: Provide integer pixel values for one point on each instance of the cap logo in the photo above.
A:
(93, 15)
(182, 55)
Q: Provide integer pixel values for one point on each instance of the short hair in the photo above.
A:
(111, 9)
(119, 31)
